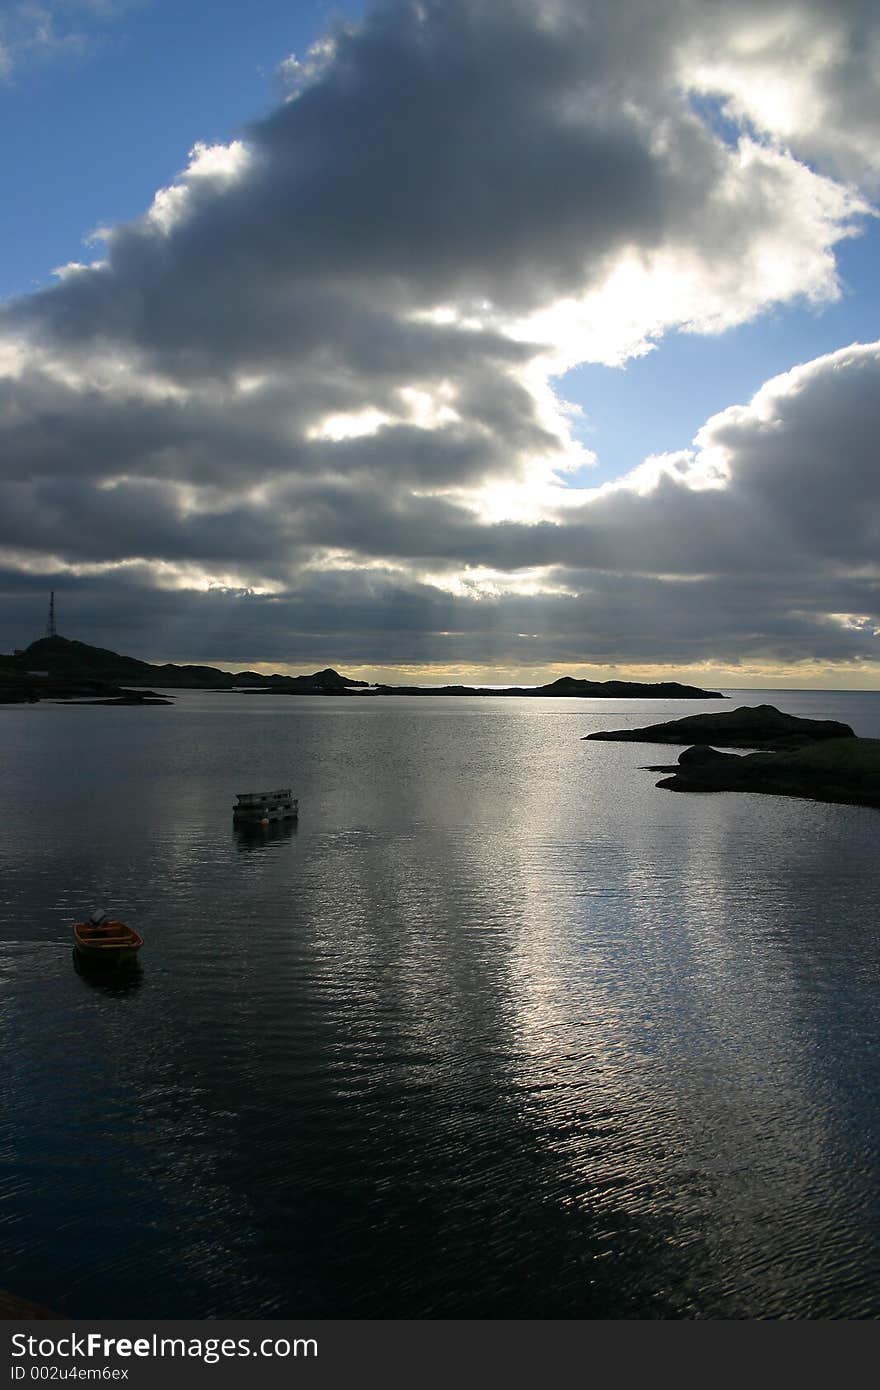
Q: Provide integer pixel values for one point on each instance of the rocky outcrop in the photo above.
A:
(17, 690)
(761, 726)
(627, 690)
(838, 769)
(33, 687)
(125, 697)
(565, 688)
(63, 659)
(326, 682)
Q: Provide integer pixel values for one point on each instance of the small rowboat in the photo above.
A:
(101, 941)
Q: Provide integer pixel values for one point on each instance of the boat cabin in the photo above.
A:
(261, 807)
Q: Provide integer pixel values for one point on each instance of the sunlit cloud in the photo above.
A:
(213, 166)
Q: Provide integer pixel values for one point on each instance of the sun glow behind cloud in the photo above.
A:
(425, 408)
(356, 425)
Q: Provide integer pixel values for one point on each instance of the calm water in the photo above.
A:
(499, 1030)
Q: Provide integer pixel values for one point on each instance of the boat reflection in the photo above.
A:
(248, 837)
(121, 979)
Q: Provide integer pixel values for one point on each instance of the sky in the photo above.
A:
(438, 339)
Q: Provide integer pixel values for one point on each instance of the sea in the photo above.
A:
(497, 1029)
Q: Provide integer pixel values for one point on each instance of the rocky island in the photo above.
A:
(759, 726)
(819, 759)
(566, 687)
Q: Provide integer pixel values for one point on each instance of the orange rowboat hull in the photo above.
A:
(106, 943)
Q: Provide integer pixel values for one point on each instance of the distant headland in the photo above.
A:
(56, 668)
(567, 686)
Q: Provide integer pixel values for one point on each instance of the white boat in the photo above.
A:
(259, 808)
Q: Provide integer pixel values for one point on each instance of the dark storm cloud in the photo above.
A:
(307, 358)
(799, 493)
(371, 186)
(355, 618)
(144, 520)
(51, 427)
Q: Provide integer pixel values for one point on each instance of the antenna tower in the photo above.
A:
(51, 630)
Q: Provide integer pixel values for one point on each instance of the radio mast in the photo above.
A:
(51, 630)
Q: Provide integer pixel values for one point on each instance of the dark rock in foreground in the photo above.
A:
(763, 726)
(15, 1309)
(694, 757)
(837, 769)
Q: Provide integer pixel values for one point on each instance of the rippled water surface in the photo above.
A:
(498, 1030)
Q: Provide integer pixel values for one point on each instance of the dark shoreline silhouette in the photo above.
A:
(568, 686)
(59, 669)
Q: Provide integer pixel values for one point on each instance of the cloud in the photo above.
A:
(589, 168)
(318, 377)
(804, 72)
(33, 31)
(760, 542)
